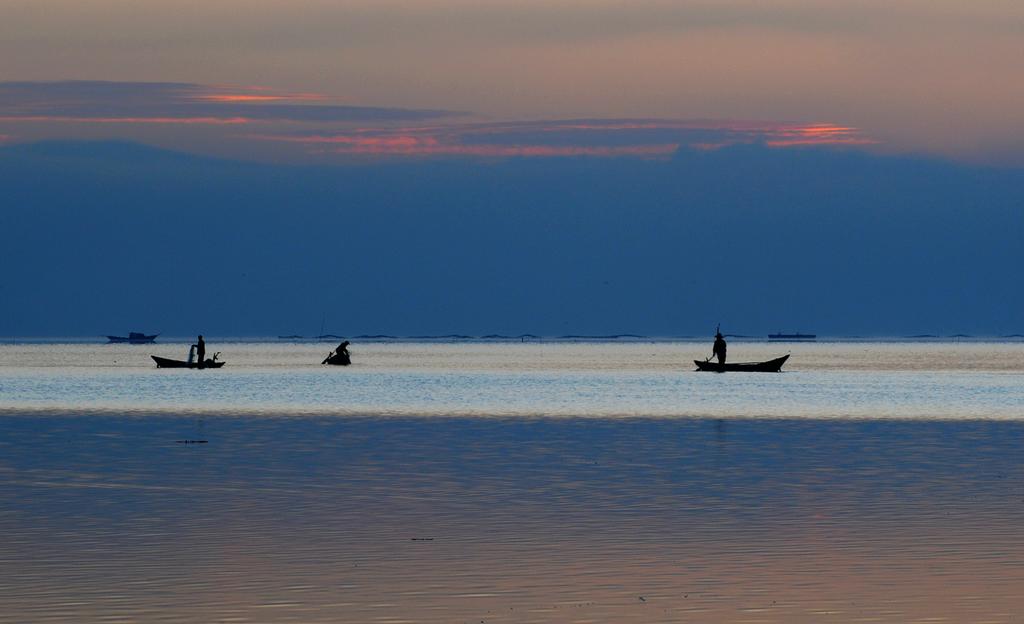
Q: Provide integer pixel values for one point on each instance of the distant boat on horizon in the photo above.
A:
(133, 338)
(792, 337)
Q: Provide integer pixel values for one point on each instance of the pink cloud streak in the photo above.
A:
(437, 140)
(413, 145)
(816, 134)
(235, 94)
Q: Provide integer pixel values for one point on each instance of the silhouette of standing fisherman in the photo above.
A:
(718, 350)
(201, 351)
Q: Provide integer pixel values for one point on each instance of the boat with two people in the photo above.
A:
(196, 358)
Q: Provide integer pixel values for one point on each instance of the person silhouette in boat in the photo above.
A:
(201, 351)
(718, 349)
(341, 352)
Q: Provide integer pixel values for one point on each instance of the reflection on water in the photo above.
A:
(328, 519)
(356, 495)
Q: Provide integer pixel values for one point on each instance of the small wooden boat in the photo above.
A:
(771, 366)
(169, 363)
(133, 338)
(338, 359)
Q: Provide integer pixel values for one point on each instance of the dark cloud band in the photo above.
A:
(167, 101)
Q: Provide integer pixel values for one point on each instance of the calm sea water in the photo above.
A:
(822, 380)
(512, 483)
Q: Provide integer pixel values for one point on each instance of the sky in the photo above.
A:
(555, 167)
(940, 77)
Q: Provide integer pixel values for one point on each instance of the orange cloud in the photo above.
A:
(255, 95)
(603, 138)
(227, 97)
(816, 134)
(731, 132)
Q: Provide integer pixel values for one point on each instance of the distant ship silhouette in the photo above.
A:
(134, 338)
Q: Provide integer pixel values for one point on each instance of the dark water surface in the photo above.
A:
(106, 518)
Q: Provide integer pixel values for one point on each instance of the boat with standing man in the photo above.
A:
(721, 365)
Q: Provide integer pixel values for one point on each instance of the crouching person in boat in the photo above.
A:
(339, 355)
(718, 349)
